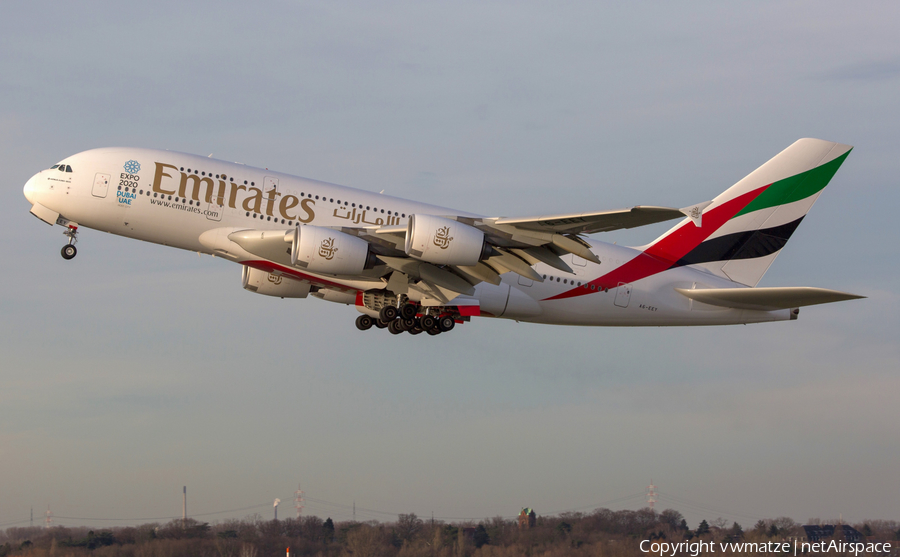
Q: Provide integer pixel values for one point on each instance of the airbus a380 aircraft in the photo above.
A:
(413, 267)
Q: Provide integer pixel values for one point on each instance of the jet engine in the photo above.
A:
(445, 242)
(312, 248)
(323, 250)
(268, 284)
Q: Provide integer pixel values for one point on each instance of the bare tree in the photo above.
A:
(408, 525)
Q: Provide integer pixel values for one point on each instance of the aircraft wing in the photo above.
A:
(512, 244)
(589, 223)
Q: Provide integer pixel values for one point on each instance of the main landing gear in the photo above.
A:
(69, 251)
(406, 319)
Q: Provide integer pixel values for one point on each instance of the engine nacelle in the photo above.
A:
(323, 250)
(268, 284)
(444, 241)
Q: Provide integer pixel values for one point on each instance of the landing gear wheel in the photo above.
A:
(416, 330)
(68, 251)
(388, 313)
(379, 323)
(395, 327)
(428, 322)
(409, 324)
(364, 322)
(434, 332)
(408, 311)
(446, 324)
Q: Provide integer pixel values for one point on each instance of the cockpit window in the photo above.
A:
(68, 168)
(54, 166)
(62, 168)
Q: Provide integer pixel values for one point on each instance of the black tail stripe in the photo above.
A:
(741, 245)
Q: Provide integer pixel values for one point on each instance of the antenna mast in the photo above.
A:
(298, 501)
(651, 495)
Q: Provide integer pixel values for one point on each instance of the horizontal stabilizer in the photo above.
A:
(767, 299)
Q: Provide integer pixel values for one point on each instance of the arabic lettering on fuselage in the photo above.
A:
(221, 192)
(357, 217)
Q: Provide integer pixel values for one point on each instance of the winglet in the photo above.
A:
(695, 212)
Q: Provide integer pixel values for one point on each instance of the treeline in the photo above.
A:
(600, 533)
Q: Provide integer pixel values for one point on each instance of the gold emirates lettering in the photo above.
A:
(221, 193)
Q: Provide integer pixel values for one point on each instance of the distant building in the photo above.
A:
(819, 532)
(527, 518)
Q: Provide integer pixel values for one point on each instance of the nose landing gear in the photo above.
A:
(69, 251)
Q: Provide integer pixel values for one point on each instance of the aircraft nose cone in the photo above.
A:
(29, 190)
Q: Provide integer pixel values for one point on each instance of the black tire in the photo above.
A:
(379, 323)
(364, 322)
(427, 322)
(408, 311)
(416, 331)
(433, 332)
(395, 327)
(68, 251)
(446, 324)
(409, 324)
(388, 313)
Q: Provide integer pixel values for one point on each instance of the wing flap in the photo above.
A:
(767, 299)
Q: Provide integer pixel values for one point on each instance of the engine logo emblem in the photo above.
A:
(327, 249)
(274, 279)
(442, 237)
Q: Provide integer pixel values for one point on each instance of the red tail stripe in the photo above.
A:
(664, 253)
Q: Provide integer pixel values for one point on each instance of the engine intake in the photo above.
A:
(445, 242)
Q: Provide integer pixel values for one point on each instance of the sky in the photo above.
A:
(136, 369)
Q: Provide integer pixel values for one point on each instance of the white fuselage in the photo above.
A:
(161, 198)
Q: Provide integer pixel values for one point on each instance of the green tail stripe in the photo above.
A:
(795, 188)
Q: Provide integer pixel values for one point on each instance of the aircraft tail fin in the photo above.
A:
(744, 228)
